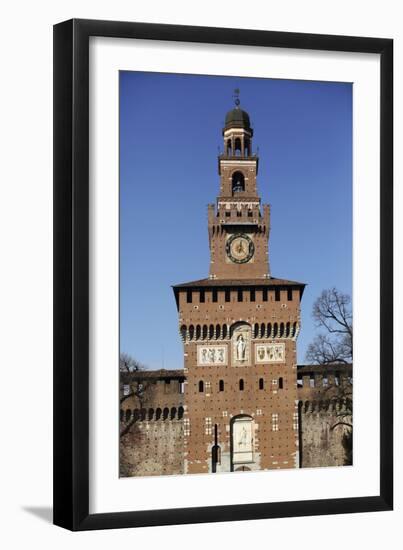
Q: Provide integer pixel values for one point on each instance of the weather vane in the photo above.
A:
(236, 97)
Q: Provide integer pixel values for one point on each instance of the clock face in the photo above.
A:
(240, 248)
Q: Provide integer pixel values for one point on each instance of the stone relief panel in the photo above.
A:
(241, 346)
(270, 353)
(212, 355)
(242, 440)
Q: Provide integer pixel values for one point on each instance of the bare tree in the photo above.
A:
(332, 312)
(134, 388)
(127, 363)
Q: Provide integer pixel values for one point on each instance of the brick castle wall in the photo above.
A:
(154, 442)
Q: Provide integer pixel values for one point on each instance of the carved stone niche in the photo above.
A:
(241, 345)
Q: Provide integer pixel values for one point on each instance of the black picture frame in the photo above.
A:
(72, 285)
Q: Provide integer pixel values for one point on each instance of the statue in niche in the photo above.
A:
(204, 355)
(261, 353)
(241, 348)
(220, 352)
(212, 355)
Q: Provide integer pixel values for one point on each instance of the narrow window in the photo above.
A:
(241, 385)
(261, 384)
(239, 214)
(202, 296)
(227, 295)
(201, 386)
(181, 386)
(337, 379)
(240, 295)
(295, 421)
(325, 381)
(265, 295)
(227, 214)
(214, 295)
(311, 381)
(252, 296)
(277, 294)
(289, 294)
(189, 296)
(280, 383)
(300, 383)
(221, 385)
(250, 213)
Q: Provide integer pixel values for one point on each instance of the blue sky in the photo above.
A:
(170, 131)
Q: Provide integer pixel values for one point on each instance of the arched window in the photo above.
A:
(165, 413)
(238, 147)
(256, 330)
(173, 413)
(143, 414)
(183, 331)
(262, 330)
(241, 385)
(201, 386)
(261, 384)
(211, 332)
(150, 414)
(221, 385)
(136, 415)
(180, 413)
(281, 330)
(198, 332)
(275, 330)
(204, 332)
(238, 182)
(280, 383)
(128, 414)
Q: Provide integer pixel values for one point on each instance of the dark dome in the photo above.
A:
(237, 118)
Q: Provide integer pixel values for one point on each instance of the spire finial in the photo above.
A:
(237, 101)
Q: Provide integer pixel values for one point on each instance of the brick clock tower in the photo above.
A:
(239, 329)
